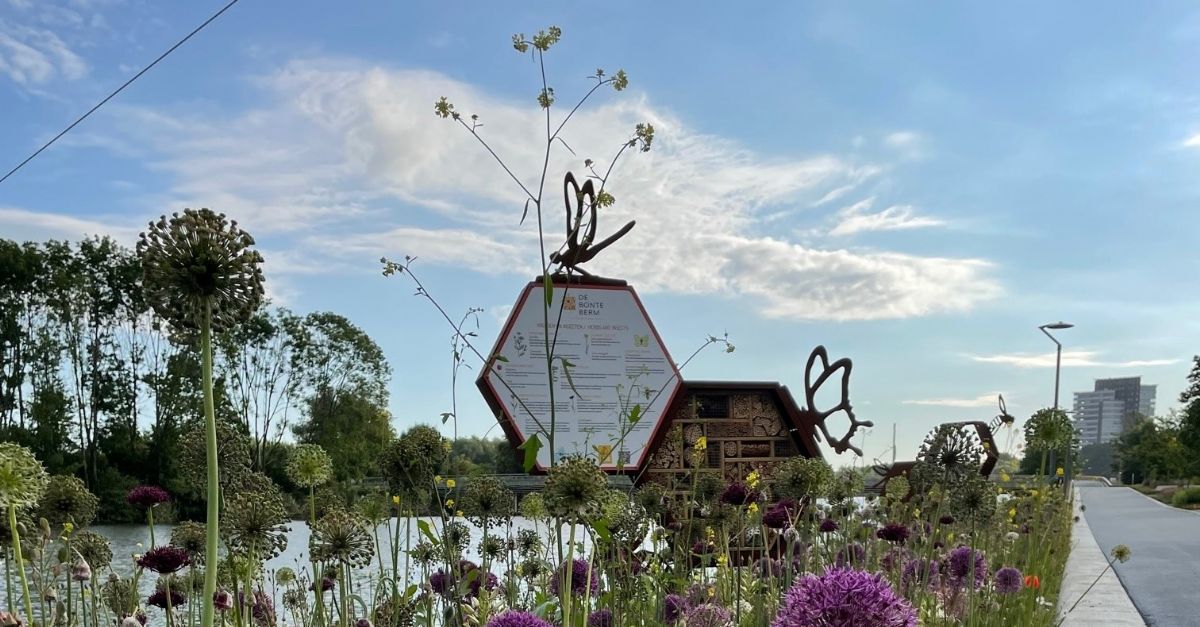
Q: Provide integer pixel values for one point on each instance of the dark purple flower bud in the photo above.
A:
(147, 496)
(222, 600)
(159, 599)
(737, 493)
(828, 525)
(165, 559)
(581, 578)
(780, 514)
(893, 532)
(946, 520)
(362, 622)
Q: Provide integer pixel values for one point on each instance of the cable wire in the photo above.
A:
(119, 90)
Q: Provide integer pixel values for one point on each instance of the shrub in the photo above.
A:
(1186, 496)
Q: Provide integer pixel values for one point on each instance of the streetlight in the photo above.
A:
(1047, 328)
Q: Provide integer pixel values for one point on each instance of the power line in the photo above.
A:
(119, 89)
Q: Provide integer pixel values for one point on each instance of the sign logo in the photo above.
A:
(641, 341)
(569, 303)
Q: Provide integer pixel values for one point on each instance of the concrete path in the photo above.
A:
(1088, 580)
(1163, 576)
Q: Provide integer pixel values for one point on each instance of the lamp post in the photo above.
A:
(1046, 328)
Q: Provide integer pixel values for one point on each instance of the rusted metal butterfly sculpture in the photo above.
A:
(579, 250)
(817, 373)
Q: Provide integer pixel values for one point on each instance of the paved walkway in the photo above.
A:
(1163, 576)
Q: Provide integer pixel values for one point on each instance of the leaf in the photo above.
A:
(548, 288)
(427, 531)
(635, 414)
(410, 591)
(570, 381)
(501, 358)
(526, 211)
(531, 448)
(600, 526)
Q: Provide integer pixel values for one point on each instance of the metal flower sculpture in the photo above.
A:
(200, 273)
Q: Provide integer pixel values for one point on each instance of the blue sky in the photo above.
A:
(917, 187)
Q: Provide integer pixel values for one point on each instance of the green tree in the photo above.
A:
(1189, 427)
(1152, 450)
(351, 427)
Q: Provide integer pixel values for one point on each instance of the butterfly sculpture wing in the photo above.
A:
(818, 372)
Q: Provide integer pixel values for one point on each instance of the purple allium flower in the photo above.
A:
(893, 532)
(600, 618)
(737, 493)
(580, 569)
(165, 559)
(767, 567)
(780, 514)
(673, 608)
(147, 496)
(844, 597)
(828, 525)
(362, 622)
(852, 554)
(703, 548)
(222, 600)
(965, 562)
(920, 572)
(894, 558)
(946, 520)
(327, 583)
(708, 615)
(515, 618)
(1008, 580)
(159, 599)
(444, 583)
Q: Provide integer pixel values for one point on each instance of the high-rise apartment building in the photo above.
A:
(1112, 407)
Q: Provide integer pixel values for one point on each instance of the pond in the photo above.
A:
(128, 540)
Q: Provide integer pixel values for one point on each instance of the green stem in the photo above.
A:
(150, 522)
(213, 521)
(8, 582)
(16, 544)
(569, 565)
(318, 576)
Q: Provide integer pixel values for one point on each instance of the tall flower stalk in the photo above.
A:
(201, 274)
(22, 481)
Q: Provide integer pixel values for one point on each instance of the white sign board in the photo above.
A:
(616, 367)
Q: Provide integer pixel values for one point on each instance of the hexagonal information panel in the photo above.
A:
(617, 384)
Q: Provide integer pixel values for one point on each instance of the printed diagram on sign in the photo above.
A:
(519, 344)
(641, 341)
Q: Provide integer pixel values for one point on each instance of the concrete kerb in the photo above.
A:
(1107, 603)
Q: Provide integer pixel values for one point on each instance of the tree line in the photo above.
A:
(94, 383)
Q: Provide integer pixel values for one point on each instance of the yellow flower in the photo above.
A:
(449, 502)
(446, 445)
(752, 479)
(437, 479)
(1005, 477)
(1033, 493)
(709, 533)
(68, 528)
(753, 508)
(701, 443)
(450, 483)
(1012, 513)
(1059, 472)
(950, 537)
(395, 499)
(722, 560)
(458, 513)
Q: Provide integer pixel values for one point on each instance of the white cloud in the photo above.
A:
(33, 56)
(1069, 358)
(1192, 142)
(22, 224)
(856, 219)
(340, 141)
(910, 144)
(983, 400)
